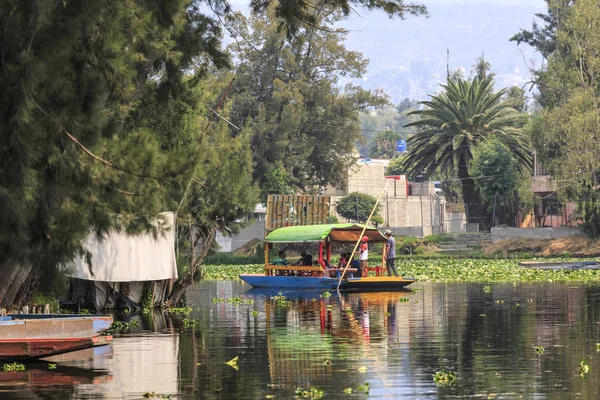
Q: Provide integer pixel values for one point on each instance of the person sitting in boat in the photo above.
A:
(305, 260)
(281, 262)
(356, 264)
(334, 272)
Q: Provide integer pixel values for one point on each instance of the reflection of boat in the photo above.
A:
(30, 336)
(41, 377)
(316, 277)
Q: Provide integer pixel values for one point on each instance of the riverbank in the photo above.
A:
(578, 246)
(448, 270)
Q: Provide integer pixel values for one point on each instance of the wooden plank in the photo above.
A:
(292, 268)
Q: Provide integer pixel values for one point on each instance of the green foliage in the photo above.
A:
(122, 326)
(15, 366)
(229, 258)
(516, 95)
(356, 206)
(481, 69)
(444, 377)
(454, 123)
(437, 269)
(396, 167)
(384, 144)
(377, 220)
(287, 89)
(294, 15)
(73, 158)
(495, 172)
(276, 182)
(385, 122)
(566, 132)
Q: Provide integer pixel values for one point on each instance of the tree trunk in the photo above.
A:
(195, 263)
(475, 209)
(18, 282)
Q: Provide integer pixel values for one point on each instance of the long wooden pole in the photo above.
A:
(361, 235)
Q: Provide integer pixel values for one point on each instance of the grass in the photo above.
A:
(427, 269)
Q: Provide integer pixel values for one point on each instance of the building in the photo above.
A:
(548, 211)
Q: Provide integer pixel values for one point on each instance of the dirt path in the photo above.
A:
(576, 246)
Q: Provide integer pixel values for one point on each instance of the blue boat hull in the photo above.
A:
(289, 282)
(312, 283)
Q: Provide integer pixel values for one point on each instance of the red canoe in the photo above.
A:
(39, 335)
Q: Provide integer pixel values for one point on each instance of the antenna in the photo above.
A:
(447, 63)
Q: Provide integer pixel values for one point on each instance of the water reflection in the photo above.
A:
(394, 341)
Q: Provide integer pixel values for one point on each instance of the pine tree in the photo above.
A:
(72, 162)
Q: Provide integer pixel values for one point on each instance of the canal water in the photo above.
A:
(509, 341)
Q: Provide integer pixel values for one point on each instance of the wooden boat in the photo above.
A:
(317, 277)
(562, 265)
(31, 336)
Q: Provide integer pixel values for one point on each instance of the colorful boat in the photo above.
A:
(318, 276)
(31, 336)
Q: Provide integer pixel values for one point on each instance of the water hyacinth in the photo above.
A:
(447, 270)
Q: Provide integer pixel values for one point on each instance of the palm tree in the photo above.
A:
(451, 126)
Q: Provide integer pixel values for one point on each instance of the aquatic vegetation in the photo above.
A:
(326, 295)
(190, 323)
(364, 388)
(15, 366)
(152, 395)
(281, 300)
(348, 390)
(404, 300)
(444, 377)
(236, 301)
(362, 369)
(180, 310)
(121, 326)
(51, 366)
(597, 346)
(348, 310)
(487, 289)
(219, 272)
(447, 270)
(583, 368)
(233, 363)
(255, 313)
(312, 393)
(539, 349)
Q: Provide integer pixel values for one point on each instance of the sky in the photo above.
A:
(408, 57)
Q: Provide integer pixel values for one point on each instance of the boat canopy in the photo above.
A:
(342, 233)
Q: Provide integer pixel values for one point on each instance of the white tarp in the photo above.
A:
(123, 258)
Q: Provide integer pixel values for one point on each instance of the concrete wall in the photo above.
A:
(455, 221)
(502, 233)
(422, 189)
(227, 243)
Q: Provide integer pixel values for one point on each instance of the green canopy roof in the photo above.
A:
(318, 233)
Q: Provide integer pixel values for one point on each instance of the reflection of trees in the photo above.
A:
(441, 326)
(490, 339)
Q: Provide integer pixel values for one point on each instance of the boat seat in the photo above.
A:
(271, 268)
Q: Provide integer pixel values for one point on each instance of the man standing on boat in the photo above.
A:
(364, 257)
(390, 253)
